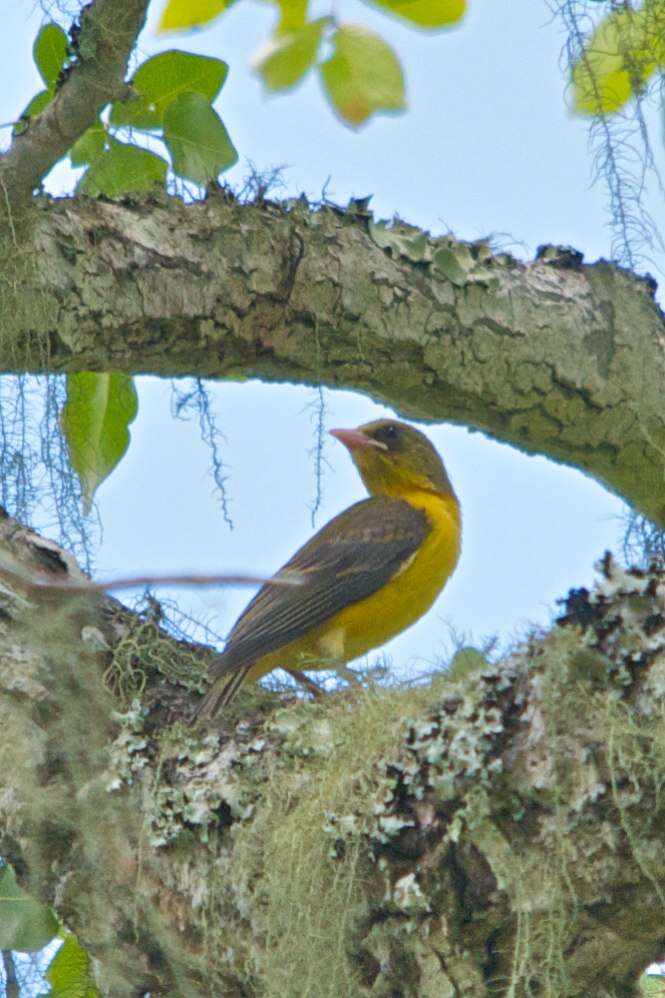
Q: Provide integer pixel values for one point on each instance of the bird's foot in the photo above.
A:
(307, 683)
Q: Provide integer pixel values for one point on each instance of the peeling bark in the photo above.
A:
(499, 833)
(555, 356)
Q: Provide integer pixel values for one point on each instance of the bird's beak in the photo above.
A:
(356, 440)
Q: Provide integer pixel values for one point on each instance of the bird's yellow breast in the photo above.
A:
(372, 621)
(410, 593)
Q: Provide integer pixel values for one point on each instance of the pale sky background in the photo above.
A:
(487, 146)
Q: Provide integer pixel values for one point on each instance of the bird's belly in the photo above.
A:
(378, 618)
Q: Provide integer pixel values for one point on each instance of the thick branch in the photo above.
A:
(497, 834)
(107, 34)
(554, 356)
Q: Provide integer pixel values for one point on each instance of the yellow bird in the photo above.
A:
(366, 575)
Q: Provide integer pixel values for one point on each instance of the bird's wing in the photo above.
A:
(350, 558)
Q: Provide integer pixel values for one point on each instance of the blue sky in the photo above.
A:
(486, 147)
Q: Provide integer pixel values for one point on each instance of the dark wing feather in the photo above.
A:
(350, 558)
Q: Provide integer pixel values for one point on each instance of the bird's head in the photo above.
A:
(394, 458)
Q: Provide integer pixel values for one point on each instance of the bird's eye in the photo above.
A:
(387, 434)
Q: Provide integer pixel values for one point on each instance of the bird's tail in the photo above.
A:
(223, 690)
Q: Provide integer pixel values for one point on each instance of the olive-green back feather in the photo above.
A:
(350, 558)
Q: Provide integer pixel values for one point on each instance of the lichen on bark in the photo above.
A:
(499, 833)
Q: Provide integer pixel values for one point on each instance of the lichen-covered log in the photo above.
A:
(494, 833)
(555, 356)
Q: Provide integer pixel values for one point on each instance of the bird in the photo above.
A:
(364, 577)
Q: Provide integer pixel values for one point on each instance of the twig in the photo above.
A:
(42, 581)
(11, 981)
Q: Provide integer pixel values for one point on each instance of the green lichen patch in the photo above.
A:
(460, 263)
(306, 901)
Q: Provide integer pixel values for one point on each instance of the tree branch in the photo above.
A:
(554, 356)
(499, 832)
(104, 41)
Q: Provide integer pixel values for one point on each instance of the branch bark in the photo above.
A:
(554, 356)
(490, 834)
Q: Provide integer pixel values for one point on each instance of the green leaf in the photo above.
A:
(287, 57)
(652, 985)
(90, 146)
(95, 421)
(50, 52)
(362, 76)
(38, 103)
(26, 925)
(124, 169)
(179, 15)
(35, 107)
(623, 52)
(425, 13)
(199, 144)
(161, 79)
(292, 15)
(70, 972)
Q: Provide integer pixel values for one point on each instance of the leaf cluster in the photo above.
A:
(27, 926)
(623, 53)
(169, 100)
(360, 73)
